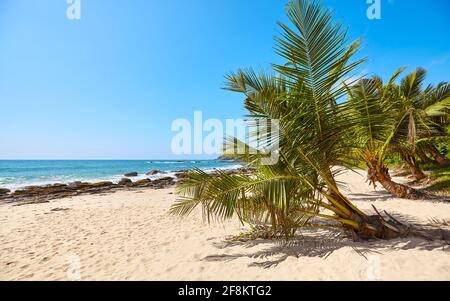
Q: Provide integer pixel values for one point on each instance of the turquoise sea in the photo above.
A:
(15, 174)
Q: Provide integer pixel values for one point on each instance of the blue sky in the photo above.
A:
(108, 86)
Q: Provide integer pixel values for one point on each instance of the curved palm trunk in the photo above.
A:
(379, 173)
(414, 167)
(440, 158)
(366, 227)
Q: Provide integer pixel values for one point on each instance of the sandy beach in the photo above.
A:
(128, 235)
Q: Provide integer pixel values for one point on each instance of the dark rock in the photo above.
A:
(182, 175)
(95, 187)
(75, 185)
(104, 184)
(143, 183)
(42, 190)
(153, 172)
(131, 174)
(125, 182)
(41, 194)
(4, 191)
(163, 182)
(37, 194)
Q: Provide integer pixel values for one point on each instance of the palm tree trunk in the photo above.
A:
(379, 173)
(414, 167)
(376, 226)
(364, 226)
(368, 227)
(440, 158)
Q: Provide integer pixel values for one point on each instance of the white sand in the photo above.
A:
(128, 235)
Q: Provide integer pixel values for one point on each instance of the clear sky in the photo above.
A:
(109, 85)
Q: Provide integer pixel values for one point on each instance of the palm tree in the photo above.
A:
(435, 103)
(300, 188)
(377, 125)
(389, 118)
(407, 100)
(426, 110)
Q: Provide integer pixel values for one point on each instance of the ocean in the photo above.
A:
(15, 174)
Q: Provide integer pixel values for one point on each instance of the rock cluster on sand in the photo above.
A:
(143, 183)
(125, 182)
(75, 185)
(182, 174)
(163, 182)
(56, 191)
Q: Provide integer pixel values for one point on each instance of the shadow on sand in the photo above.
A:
(322, 243)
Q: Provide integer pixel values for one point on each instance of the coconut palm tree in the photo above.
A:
(376, 123)
(426, 110)
(300, 188)
(390, 118)
(406, 101)
(435, 105)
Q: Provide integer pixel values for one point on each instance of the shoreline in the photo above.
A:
(44, 193)
(19, 174)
